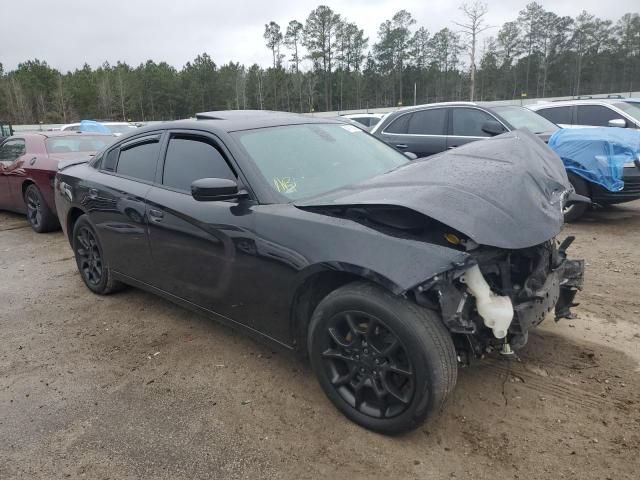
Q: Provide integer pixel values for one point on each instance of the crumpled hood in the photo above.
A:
(504, 192)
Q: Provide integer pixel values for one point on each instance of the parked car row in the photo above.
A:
(426, 130)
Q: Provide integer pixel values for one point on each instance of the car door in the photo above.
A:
(207, 253)
(598, 116)
(12, 152)
(465, 125)
(116, 203)
(421, 132)
(195, 244)
(560, 115)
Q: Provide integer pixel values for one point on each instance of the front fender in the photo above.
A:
(330, 243)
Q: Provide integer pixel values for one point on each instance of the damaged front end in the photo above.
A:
(499, 203)
(497, 295)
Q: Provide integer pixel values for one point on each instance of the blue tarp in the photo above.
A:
(91, 126)
(597, 154)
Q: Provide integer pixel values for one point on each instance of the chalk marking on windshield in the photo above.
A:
(285, 185)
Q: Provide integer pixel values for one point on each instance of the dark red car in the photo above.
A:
(28, 165)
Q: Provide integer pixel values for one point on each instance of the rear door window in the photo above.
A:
(467, 122)
(428, 122)
(596, 115)
(138, 160)
(557, 115)
(191, 158)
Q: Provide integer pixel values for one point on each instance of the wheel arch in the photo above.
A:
(72, 217)
(25, 184)
(319, 281)
(587, 183)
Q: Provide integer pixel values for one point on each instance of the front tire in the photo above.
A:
(385, 363)
(39, 215)
(92, 265)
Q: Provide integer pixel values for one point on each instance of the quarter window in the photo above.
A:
(595, 115)
(139, 161)
(191, 158)
(400, 125)
(467, 122)
(12, 150)
(557, 115)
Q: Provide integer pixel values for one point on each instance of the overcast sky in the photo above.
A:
(69, 33)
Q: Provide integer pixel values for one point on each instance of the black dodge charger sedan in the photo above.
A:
(316, 236)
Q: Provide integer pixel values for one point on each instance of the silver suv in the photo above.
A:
(591, 112)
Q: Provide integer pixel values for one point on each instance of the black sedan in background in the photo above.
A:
(314, 235)
(428, 129)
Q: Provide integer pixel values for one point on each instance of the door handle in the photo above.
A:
(156, 215)
(402, 145)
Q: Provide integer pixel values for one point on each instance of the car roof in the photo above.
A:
(578, 101)
(237, 120)
(363, 114)
(438, 104)
(485, 105)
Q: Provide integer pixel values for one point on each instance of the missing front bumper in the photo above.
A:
(549, 283)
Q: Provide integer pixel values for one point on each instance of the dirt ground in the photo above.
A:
(131, 386)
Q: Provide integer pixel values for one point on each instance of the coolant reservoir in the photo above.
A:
(495, 310)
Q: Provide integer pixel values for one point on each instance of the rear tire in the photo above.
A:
(385, 363)
(92, 265)
(575, 211)
(39, 215)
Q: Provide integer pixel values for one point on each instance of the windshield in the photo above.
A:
(631, 109)
(78, 143)
(120, 128)
(301, 161)
(520, 117)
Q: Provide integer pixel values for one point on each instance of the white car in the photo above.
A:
(117, 128)
(366, 119)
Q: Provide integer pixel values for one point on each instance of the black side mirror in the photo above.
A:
(493, 128)
(211, 189)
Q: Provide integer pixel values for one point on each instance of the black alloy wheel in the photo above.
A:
(89, 256)
(386, 363)
(368, 365)
(94, 268)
